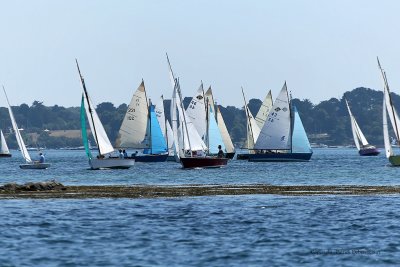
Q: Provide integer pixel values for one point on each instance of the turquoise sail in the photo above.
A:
(158, 144)
(300, 143)
(214, 135)
(83, 128)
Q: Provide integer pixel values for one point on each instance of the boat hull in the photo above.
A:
(206, 162)
(368, 152)
(5, 155)
(111, 163)
(394, 160)
(230, 155)
(150, 158)
(242, 156)
(280, 157)
(34, 166)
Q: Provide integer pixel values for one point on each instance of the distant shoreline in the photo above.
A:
(165, 191)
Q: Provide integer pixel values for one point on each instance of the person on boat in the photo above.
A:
(41, 157)
(220, 152)
(124, 153)
(121, 155)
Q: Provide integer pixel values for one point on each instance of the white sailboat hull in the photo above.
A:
(111, 163)
(35, 166)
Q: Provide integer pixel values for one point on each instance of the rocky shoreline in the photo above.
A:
(53, 189)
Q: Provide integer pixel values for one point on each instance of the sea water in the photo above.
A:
(250, 230)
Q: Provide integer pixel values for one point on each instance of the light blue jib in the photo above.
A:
(300, 143)
(83, 128)
(158, 144)
(214, 135)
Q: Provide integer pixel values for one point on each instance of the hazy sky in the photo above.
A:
(321, 48)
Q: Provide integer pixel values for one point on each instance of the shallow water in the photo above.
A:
(327, 166)
(251, 230)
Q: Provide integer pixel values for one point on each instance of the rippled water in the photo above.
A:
(252, 230)
(201, 231)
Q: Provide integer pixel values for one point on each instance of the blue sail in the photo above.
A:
(300, 143)
(214, 135)
(83, 128)
(158, 144)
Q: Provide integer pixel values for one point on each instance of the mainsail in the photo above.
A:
(276, 132)
(133, 131)
(196, 111)
(388, 145)
(358, 136)
(18, 136)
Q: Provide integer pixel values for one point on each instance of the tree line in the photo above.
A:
(327, 122)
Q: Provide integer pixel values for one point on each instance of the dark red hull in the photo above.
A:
(207, 162)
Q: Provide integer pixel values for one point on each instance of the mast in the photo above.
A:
(289, 96)
(390, 100)
(184, 117)
(207, 120)
(249, 128)
(89, 107)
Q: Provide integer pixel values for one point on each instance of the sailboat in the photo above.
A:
(29, 163)
(140, 129)
(100, 136)
(197, 110)
(282, 137)
(389, 109)
(364, 148)
(194, 152)
(252, 132)
(226, 139)
(4, 151)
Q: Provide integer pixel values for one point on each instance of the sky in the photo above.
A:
(321, 48)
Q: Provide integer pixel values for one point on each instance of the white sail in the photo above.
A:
(276, 131)
(18, 136)
(252, 130)
(209, 97)
(393, 116)
(224, 132)
(358, 136)
(264, 110)
(170, 138)
(196, 111)
(100, 135)
(133, 131)
(4, 148)
(388, 145)
(174, 120)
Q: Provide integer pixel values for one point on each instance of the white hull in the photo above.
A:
(111, 163)
(35, 165)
